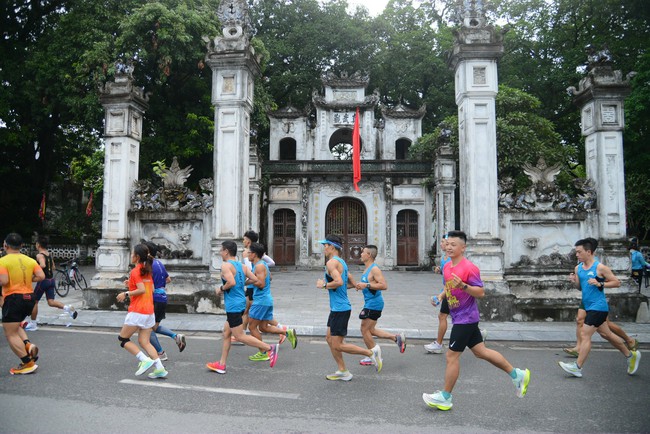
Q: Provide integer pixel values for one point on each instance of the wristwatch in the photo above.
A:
(368, 285)
(324, 285)
(464, 286)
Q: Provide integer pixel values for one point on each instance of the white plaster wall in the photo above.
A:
(290, 128)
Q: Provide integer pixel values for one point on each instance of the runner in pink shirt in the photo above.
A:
(463, 285)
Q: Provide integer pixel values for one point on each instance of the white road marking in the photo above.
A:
(217, 337)
(167, 385)
(559, 349)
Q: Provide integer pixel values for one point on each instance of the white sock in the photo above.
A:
(141, 356)
(158, 364)
(66, 308)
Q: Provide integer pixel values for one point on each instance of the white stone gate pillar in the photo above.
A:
(601, 97)
(476, 51)
(234, 66)
(124, 105)
(445, 191)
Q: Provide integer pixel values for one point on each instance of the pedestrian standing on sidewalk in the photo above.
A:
(261, 311)
(592, 277)
(17, 272)
(233, 277)
(140, 317)
(463, 286)
(336, 282)
(372, 285)
(160, 280)
(639, 264)
(46, 286)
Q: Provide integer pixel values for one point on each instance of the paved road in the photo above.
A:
(86, 383)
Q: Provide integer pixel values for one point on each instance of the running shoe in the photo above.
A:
(376, 358)
(293, 338)
(340, 375)
(158, 373)
(434, 347)
(180, 341)
(216, 367)
(484, 334)
(144, 366)
(163, 356)
(32, 350)
(633, 362)
(273, 354)
(571, 368)
(437, 400)
(23, 324)
(634, 346)
(259, 357)
(366, 361)
(400, 340)
(73, 313)
(521, 382)
(24, 368)
(31, 326)
(571, 352)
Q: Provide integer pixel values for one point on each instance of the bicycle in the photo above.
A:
(69, 276)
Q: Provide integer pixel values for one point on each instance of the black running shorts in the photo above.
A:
(595, 318)
(234, 319)
(464, 336)
(338, 323)
(17, 306)
(444, 306)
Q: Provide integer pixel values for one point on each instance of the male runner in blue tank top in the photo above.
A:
(336, 282)
(592, 277)
(233, 276)
(372, 284)
(261, 311)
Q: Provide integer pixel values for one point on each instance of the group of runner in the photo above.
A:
(246, 290)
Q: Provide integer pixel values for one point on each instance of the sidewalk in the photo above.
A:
(299, 304)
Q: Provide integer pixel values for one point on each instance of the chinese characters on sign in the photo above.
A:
(344, 118)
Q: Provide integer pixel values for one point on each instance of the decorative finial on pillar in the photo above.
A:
(471, 13)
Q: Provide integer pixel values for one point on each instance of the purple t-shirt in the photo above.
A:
(462, 306)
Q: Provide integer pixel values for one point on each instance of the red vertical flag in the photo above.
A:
(41, 210)
(89, 207)
(356, 152)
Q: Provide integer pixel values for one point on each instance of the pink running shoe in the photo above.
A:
(273, 354)
(216, 367)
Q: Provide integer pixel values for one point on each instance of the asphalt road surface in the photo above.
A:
(86, 383)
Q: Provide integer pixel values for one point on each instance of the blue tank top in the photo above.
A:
(592, 297)
(339, 301)
(235, 297)
(262, 296)
(443, 262)
(373, 299)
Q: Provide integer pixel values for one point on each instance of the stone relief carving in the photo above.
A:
(173, 195)
(544, 194)
(554, 260)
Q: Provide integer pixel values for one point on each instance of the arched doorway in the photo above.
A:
(347, 218)
(407, 237)
(284, 237)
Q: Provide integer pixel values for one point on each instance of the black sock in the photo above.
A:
(26, 341)
(26, 359)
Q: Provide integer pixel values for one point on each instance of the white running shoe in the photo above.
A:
(340, 375)
(633, 362)
(438, 401)
(434, 347)
(571, 368)
(31, 326)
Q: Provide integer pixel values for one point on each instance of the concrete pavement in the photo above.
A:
(299, 304)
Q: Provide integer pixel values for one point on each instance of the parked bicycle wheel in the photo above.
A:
(62, 283)
(80, 280)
